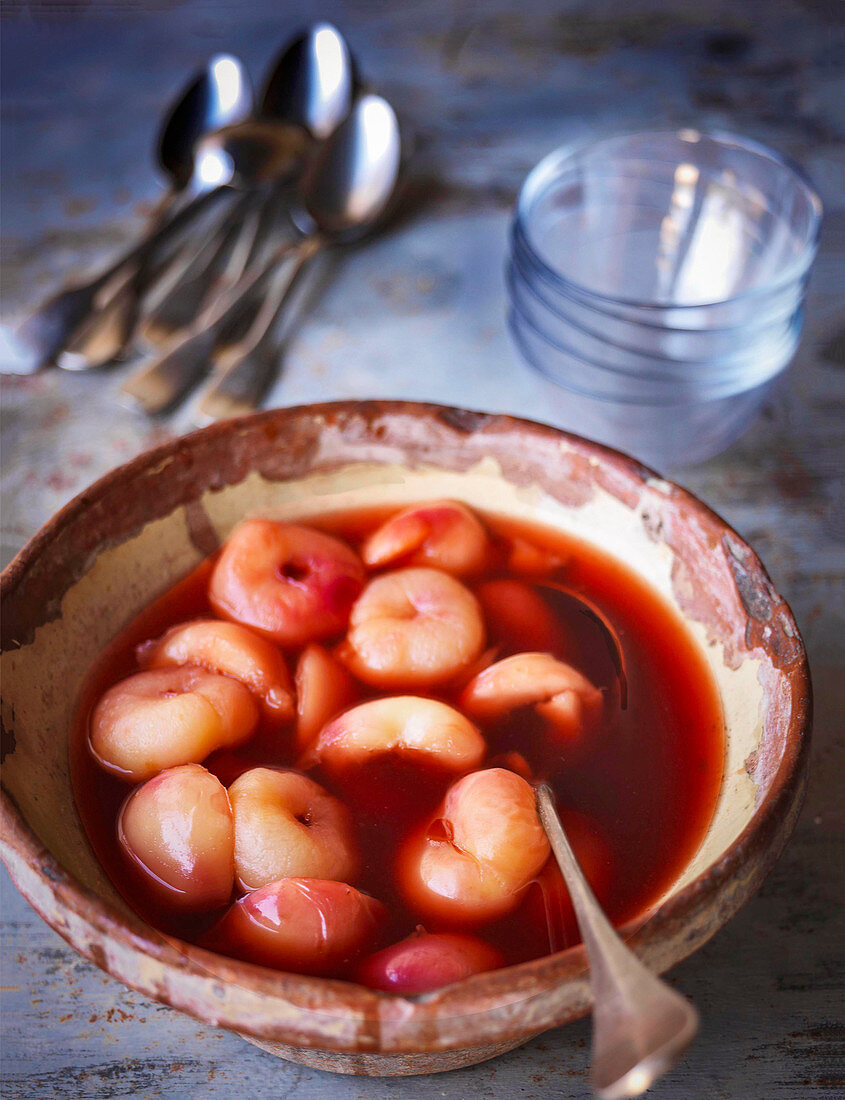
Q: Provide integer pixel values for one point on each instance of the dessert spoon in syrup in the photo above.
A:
(641, 1026)
(608, 656)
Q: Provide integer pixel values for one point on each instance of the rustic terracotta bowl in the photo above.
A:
(132, 534)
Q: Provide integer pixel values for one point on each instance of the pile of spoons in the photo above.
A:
(257, 189)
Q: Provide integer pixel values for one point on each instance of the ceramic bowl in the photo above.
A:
(132, 534)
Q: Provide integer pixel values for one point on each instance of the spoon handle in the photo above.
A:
(239, 387)
(236, 246)
(185, 295)
(104, 335)
(44, 334)
(640, 1025)
(159, 385)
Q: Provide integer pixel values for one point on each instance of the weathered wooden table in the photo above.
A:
(488, 89)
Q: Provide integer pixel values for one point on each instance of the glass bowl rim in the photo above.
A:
(545, 171)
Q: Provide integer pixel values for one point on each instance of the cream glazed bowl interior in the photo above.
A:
(135, 532)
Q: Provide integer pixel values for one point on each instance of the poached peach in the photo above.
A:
(405, 725)
(177, 830)
(308, 926)
(323, 689)
(232, 650)
(287, 826)
(165, 717)
(441, 533)
(292, 584)
(413, 628)
(518, 617)
(559, 692)
(426, 961)
(526, 557)
(474, 859)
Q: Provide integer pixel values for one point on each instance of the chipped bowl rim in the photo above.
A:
(333, 1015)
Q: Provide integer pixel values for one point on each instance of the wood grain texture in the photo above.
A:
(419, 312)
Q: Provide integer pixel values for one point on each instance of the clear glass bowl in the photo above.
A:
(670, 219)
(662, 271)
(727, 371)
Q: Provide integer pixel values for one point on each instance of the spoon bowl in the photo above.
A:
(353, 178)
(599, 644)
(218, 96)
(312, 82)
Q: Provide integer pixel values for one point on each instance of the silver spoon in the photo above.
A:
(310, 84)
(641, 1026)
(345, 190)
(218, 96)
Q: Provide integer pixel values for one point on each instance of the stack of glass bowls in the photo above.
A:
(657, 283)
